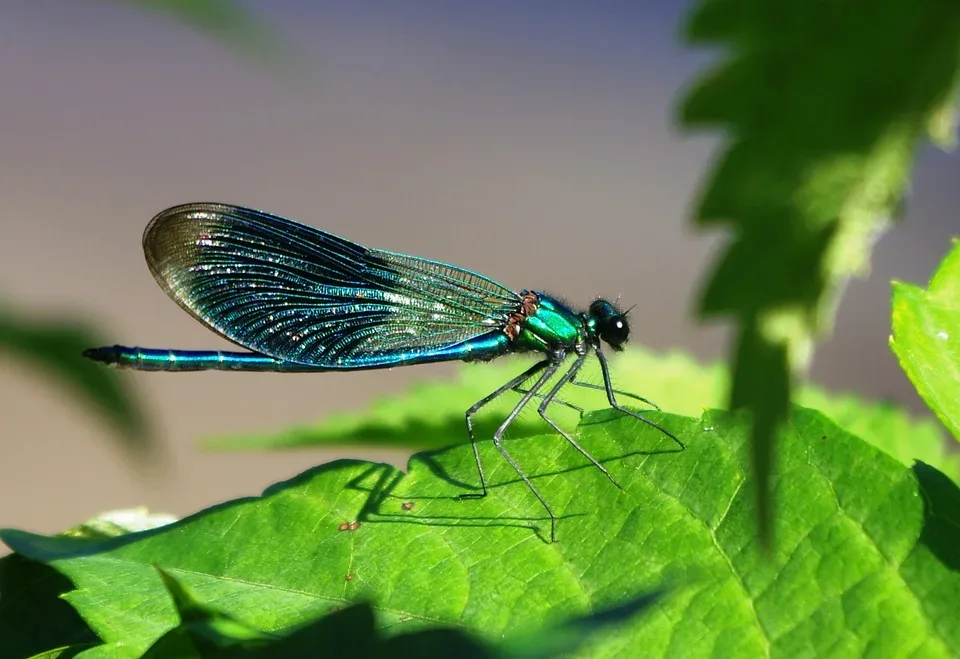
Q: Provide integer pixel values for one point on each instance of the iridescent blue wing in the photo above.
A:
(299, 294)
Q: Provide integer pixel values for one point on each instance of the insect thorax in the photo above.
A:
(543, 323)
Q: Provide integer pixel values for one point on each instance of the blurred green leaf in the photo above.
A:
(229, 23)
(55, 348)
(825, 105)
(926, 338)
(866, 552)
(114, 523)
(429, 415)
(67, 652)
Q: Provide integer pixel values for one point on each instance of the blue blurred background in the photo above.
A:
(533, 142)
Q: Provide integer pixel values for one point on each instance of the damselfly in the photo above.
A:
(302, 300)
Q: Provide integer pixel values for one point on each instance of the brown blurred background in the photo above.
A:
(533, 142)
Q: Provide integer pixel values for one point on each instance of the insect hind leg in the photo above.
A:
(551, 364)
(476, 407)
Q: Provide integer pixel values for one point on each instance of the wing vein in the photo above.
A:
(300, 294)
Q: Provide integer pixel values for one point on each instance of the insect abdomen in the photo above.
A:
(150, 359)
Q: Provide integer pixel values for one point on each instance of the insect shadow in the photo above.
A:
(385, 505)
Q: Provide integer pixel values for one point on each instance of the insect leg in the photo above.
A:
(559, 401)
(550, 398)
(520, 379)
(602, 387)
(612, 399)
(552, 364)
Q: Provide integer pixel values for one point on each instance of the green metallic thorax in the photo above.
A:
(554, 325)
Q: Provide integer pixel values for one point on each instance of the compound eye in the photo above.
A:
(615, 331)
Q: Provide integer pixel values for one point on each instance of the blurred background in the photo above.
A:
(533, 142)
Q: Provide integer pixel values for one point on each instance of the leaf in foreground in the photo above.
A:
(866, 551)
(203, 629)
(822, 140)
(206, 631)
(926, 338)
(34, 620)
(33, 617)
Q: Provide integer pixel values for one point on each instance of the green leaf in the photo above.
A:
(865, 556)
(430, 414)
(229, 23)
(555, 640)
(926, 338)
(825, 105)
(889, 428)
(55, 347)
(34, 620)
(351, 631)
(66, 652)
(203, 629)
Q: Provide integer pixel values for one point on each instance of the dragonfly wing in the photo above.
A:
(299, 294)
